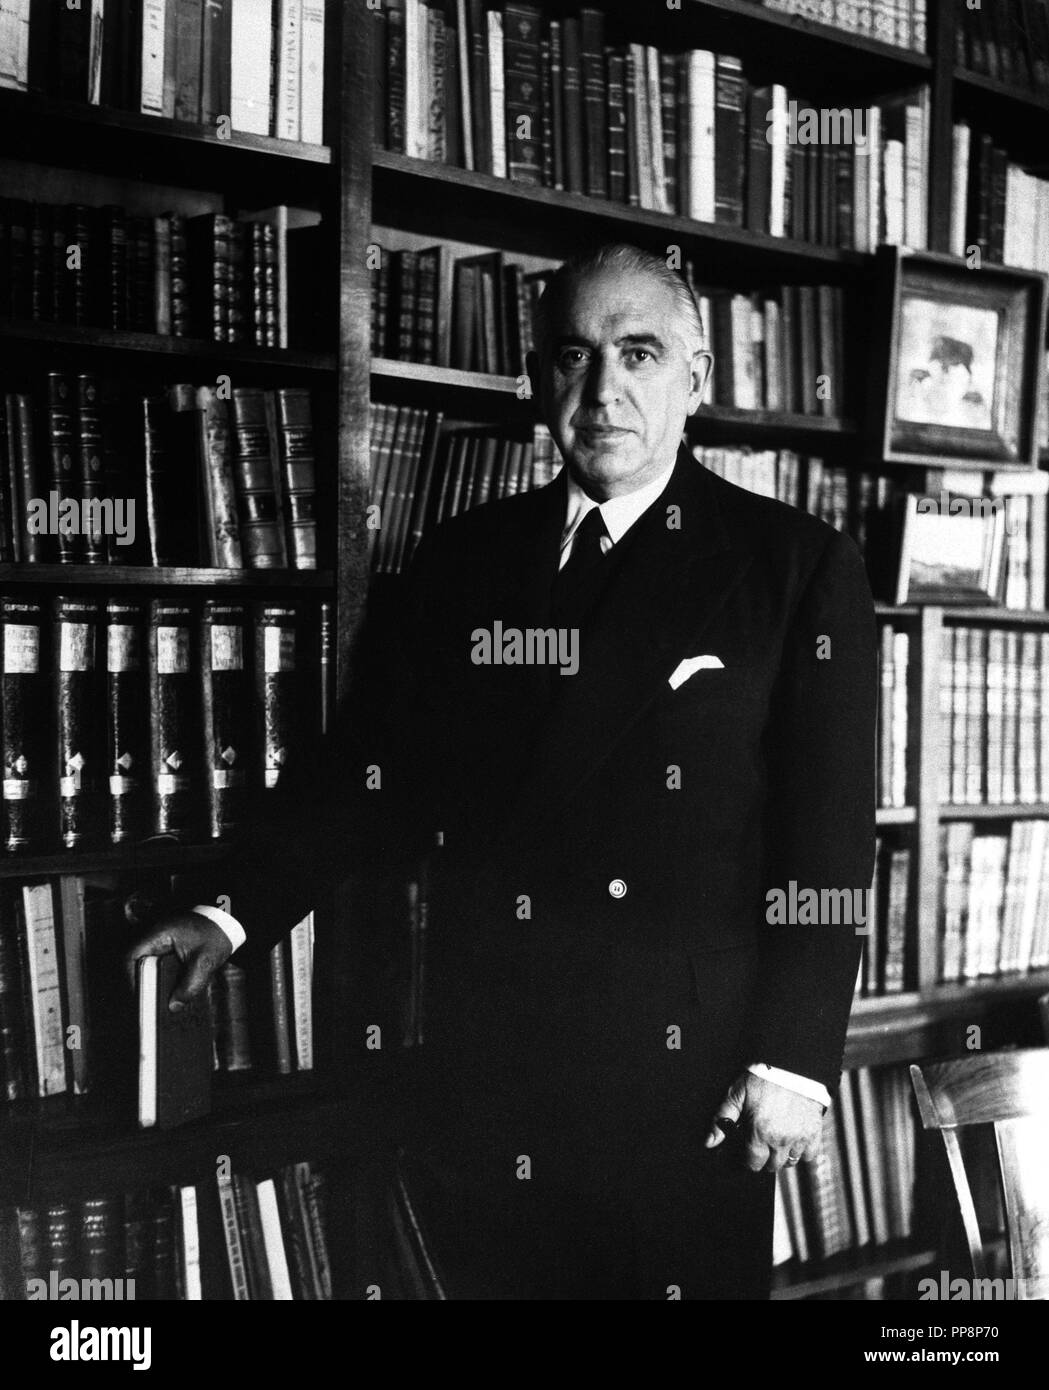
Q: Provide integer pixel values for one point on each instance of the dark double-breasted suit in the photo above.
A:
(600, 965)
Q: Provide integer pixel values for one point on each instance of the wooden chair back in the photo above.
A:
(1009, 1090)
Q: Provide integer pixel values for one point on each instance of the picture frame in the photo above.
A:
(955, 556)
(961, 351)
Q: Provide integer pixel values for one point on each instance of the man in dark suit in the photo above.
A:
(639, 705)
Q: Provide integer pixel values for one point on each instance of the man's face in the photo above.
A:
(618, 377)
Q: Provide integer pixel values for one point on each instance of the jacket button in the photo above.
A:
(617, 888)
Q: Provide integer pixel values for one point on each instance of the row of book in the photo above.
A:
(238, 1237)
(994, 907)
(996, 204)
(475, 313)
(899, 22)
(1008, 40)
(860, 1191)
(93, 471)
(422, 474)
(67, 1028)
(995, 900)
(849, 499)
(512, 92)
(994, 716)
(257, 65)
(887, 964)
(123, 718)
(209, 275)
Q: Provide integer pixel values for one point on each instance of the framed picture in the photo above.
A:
(963, 350)
(951, 557)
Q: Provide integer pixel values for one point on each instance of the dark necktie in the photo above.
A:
(580, 577)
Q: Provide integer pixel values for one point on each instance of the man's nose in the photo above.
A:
(603, 381)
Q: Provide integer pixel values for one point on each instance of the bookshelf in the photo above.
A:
(359, 187)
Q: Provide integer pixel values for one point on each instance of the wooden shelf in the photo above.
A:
(794, 1281)
(146, 855)
(726, 419)
(1026, 617)
(542, 221)
(162, 576)
(71, 134)
(47, 336)
(1013, 811)
(1024, 101)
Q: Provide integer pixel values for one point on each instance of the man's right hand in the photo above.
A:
(200, 945)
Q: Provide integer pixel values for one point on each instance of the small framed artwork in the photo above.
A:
(963, 353)
(956, 557)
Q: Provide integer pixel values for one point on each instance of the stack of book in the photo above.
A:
(95, 472)
(1008, 41)
(996, 204)
(860, 1191)
(899, 22)
(510, 91)
(246, 65)
(994, 910)
(209, 276)
(888, 949)
(64, 1019)
(238, 1237)
(422, 475)
(994, 716)
(123, 718)
(892, 716)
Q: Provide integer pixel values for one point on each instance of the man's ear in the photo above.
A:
(701, 367)
(532, 368)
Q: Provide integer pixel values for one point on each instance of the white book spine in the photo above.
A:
(289, 75)
(302, 990)
(48, 1032)
(414, 125)
(874, 181)
(147, 1042)
(778, 182)
(191, 1286)
(701, 148)
(465, 95)
(273, 1241)
(312, 123)
(894, 219)
(151, 97)
(914, 185)
(497, 90)
(251, 48)
(959, 187)
(642, 130)
(94, 52)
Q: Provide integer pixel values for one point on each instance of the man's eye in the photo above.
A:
(640, 355)
(571, 357)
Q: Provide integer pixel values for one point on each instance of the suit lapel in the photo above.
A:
(668, 585)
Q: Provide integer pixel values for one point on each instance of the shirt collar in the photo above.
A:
(618, 513)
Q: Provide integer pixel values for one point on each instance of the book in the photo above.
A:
(174, 719)
(174, 1049)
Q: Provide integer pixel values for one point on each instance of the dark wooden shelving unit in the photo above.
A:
(162, 576)
(123, 858)
(794, 1281)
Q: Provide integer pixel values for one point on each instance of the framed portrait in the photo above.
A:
(960, 352)
(956, 556)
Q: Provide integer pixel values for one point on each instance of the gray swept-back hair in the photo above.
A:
(616, 256)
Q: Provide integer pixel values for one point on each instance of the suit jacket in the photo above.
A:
(553, 996)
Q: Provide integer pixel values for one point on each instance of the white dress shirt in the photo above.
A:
(618, 514)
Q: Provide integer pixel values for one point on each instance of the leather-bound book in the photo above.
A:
(174, 1079)
(78, 707)
(25, 706)
(228, 724)
(174, 721)
(127, 720)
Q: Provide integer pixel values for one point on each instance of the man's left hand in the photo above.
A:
(778, 1126)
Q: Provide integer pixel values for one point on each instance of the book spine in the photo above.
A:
(78, 705)
(13, 1031)
(311, 124)
(234, 1247)
(261, 538)
(227, 714)
(572, 96)
(524, 112)
(220, 499)
(278, 676)
(173, 695)
(289, 69)
(281, 1013)
(301, 951)
(24, 731)
(251, 45)
(729, 140)
(592, 78)
(89, 472)
(298, 475)
(61, 429)
(127, 733)
(45, 986)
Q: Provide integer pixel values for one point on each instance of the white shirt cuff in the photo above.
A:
(815, 1090)
(232, 928)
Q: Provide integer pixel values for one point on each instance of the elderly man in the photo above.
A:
(623, 1044)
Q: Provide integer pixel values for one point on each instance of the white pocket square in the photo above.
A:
(691, 665)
